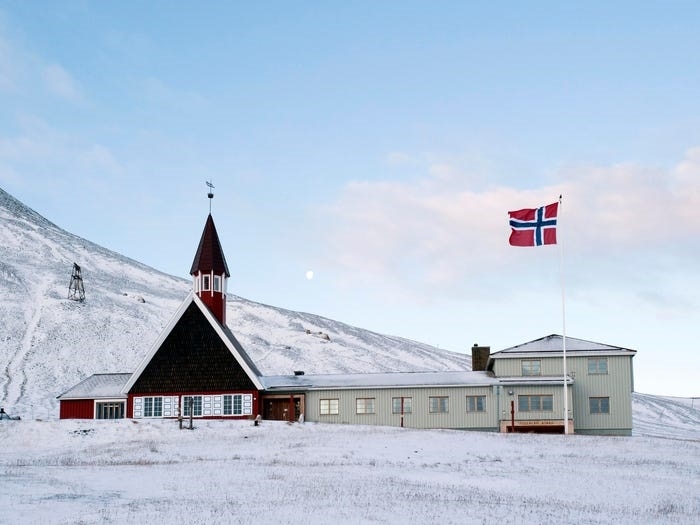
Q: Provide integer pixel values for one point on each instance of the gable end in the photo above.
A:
(192, 357)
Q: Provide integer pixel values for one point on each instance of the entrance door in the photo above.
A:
(279, 408)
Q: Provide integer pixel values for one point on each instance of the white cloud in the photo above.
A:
(61, 83)
(438, 233)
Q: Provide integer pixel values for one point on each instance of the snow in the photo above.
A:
(396, 379)
(225, 472)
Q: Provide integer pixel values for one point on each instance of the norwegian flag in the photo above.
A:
(534, 226)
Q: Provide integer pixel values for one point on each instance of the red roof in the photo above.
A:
(209, 256)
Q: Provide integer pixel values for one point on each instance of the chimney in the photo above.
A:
(480, 357)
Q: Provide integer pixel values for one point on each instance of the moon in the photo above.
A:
(309, 275)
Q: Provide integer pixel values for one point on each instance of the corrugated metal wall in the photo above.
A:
(420, 416)
(616, 384)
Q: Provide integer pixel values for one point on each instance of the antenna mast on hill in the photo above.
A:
(76, 291)
(210, 194)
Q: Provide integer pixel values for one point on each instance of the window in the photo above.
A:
(401, 405)
(597, 365)
(152, 407)
(205, 282)
(534, 403)
(217, 283)
(110, 410)
(531, 367)
(328, 407)
(476, 403)
(439, 405)
(233, 405)
(365, 405)
(194, 403)
(599, 405)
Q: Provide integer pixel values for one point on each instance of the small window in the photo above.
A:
(535, 403)
(531, 367)
(476, 403)
(217, 283)
(152, 407)
(328, 407)
(233, 405)
(401, 405)
(599, 405)
(597, 365)
(439, 405)
(205, 282)
(193, 404)
(365, 405)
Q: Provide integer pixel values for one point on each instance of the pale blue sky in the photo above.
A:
(380, 144)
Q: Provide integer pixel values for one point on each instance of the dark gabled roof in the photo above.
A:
(195, 352)
(554, 344)
(209, 256)
(98, 386)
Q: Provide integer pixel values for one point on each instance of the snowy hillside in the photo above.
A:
(48, 343)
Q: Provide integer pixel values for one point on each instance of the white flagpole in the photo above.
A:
(560, 241)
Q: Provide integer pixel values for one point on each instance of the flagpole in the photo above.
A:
(560, 241)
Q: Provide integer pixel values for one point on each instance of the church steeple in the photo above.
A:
(210, 272)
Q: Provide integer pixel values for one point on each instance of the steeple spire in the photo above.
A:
(209, 269)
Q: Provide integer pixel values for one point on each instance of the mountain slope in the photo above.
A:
(48, 342)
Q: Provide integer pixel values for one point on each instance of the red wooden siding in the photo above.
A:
(77, 409)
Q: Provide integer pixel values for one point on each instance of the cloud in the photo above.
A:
(59, 82)
(40, 152)
(438, 234)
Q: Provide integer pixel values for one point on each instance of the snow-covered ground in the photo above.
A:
(230, 472)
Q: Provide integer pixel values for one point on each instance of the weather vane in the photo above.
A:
(210, 194)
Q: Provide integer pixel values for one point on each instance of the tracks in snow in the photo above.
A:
(15, 375)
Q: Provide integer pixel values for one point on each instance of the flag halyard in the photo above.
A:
(534, 226)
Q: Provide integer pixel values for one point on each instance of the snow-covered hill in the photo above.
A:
(48, 342)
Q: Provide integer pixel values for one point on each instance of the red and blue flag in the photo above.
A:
(534, 226)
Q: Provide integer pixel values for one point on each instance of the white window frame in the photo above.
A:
(196, 406)
(217, 283)
(329, 407)
(152, 411)
(206, 282)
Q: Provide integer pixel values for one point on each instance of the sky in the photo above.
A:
(380, 146)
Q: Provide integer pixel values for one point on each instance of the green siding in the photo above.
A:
(456, 417)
